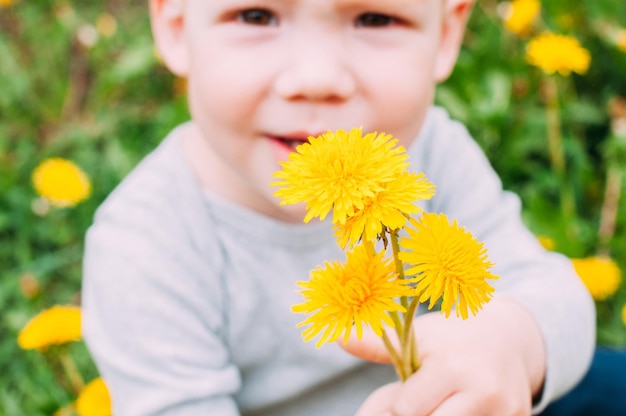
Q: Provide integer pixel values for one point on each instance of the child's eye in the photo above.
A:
(261, 17)
(374, 20)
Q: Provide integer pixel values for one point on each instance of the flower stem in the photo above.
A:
(395, 358)
(415, 360)
(608, 214)
(410, 360)
(67, 410)
(395, 247)
(400, 272)
(557, 153)
(398, 326)
(69, 366)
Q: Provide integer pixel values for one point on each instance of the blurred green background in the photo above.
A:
(82, 81)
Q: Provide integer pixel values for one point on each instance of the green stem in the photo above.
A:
(393, 237)
(395, 247)
(76, 380)
(557, 153)
(610, 207)
(553, 124)
(398, 326)
(67, 410)
(395, 359)
(410, 361)
(415, 360)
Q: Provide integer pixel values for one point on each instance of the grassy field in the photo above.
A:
(81, 81)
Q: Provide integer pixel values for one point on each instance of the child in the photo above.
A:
(191, 264)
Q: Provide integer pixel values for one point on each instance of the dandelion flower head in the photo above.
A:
(94, 399)
(53, 326)
(339, 171)
(601, 275)
(360, 292)
(558, 53)
(449, 263)
(388, 208)
(520, 16)
(61, 182)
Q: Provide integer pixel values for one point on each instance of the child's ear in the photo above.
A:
(455, 16)
(167, 20)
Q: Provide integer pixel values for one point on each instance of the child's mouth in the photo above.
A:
(291, 142)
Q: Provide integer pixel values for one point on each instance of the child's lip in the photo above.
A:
(296, 136)
(293, 139)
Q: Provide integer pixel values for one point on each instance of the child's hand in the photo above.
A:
(490, 364)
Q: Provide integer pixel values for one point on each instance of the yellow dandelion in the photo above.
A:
(521, 15)
(546, 242)
(558, 53)
(94, 399)
(339, 171)
(388, 208)
(53, 326)
(61, 182)
(601, 275)
(359, 292)
(448, 262)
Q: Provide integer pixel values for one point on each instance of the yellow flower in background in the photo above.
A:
(449, 263)
(339, 171)
(94, 400)
(601, 275)
(388, 208)
(546, 242)
(359, 292)
(558, 53)
(57, 325)
(521, 15)
(6, 3)
(61, 182)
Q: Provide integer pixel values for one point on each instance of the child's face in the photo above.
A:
(265, 74)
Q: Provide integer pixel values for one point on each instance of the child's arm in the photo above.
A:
(152, 306)
(152, 330)
(539, 300)
(491, 364)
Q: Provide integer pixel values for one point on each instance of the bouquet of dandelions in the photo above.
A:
(365, 182)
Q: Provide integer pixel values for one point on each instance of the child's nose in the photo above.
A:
(315, 70)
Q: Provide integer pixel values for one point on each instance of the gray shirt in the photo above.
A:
(187, 296)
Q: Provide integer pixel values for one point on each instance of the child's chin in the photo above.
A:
(294, 213)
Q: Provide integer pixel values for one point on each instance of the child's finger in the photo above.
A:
(459, 405)
(424, 392)
(370, 347)
(379, 403)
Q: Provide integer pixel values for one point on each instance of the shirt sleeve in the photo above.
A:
(153, 319)
(544, 282)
